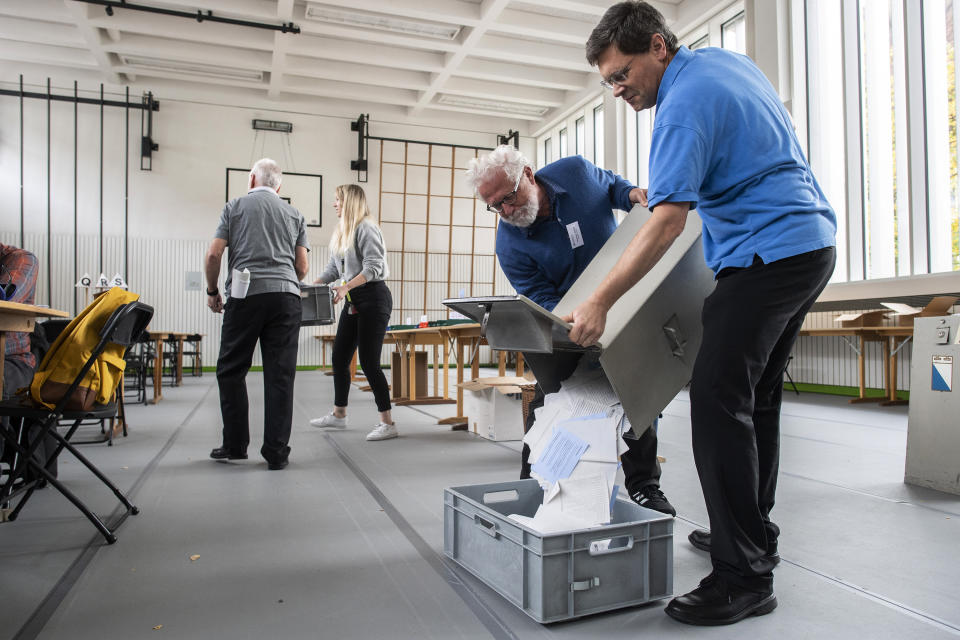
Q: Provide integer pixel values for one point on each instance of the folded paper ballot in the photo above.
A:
(575, 445)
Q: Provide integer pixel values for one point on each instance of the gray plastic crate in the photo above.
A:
(316, 304)
(557, 576)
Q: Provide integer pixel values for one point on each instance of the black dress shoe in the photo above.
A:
(222, 453)
(700, 539)
(716, 602)
(277, 466)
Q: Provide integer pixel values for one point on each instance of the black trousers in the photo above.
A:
(274, 320)
(363, 332)
(640, 465)
(750, 323)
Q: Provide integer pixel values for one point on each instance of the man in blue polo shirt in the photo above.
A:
(556, 221)
(722, 144)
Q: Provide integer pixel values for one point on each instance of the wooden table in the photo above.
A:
(16, 316)
(892, 338)
(463, 336)
(353, 361)
(406, 342)
(158, 338)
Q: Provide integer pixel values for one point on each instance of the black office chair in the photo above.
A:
(786, 372)
(191, 349)
(171, 353)
(139, 358)
(123, 327)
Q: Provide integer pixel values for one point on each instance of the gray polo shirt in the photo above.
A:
(262, 233)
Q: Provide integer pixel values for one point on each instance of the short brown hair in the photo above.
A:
(629, 25)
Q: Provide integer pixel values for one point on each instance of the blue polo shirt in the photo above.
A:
(723, 141)
(539, 260)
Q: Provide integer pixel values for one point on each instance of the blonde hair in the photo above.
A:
(354, 210)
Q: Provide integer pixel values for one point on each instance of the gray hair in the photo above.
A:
(629, 25)
(504, 158)
(267, 173)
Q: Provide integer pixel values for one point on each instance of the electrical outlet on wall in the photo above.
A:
(193, 281)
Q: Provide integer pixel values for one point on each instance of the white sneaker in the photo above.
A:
(383, 431)
(329, 421)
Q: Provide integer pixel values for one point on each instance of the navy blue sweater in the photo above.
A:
(539, 260)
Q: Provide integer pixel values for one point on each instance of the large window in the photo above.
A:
(882, 116)
(733, 34)
(827, 145)
(563, 143)
(580, 133)
(940, 29)
(547, 151)
(598, 135)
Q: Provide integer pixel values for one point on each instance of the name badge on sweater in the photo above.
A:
(576, 238)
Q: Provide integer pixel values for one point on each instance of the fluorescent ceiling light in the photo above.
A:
(493, 105)
(194, 69)
(382, 22)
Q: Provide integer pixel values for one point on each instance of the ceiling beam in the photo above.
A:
(372, 54)
(490, 10)
(23, 30)
(446, 11)
(524, 74)
(161, 48)
(94, 39)
(504, 92)
(543, 28)
(36, 53)
(280, 41)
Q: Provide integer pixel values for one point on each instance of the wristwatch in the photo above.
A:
(213, 293)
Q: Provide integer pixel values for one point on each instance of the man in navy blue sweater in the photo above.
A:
(556, 221)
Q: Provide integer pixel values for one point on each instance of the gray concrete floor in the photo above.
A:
(347, 542)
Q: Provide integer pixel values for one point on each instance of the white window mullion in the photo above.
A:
(854, 158)
(938, 135)
(878, 139)
(913, 33)
(902, 128)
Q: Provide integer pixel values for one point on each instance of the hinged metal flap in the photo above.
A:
(516, 323)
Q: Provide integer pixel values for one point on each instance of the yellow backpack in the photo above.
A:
(70, 351)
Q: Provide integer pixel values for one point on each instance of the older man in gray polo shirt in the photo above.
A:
(266, 236)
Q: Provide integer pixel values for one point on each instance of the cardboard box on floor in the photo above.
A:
(905, 314)
(863, 319)
(493, 407)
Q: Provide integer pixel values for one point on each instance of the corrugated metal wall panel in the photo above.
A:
(157, 273)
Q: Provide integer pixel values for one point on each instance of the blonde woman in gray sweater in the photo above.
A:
(358, 263)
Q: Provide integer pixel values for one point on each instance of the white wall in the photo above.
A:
(173, 209)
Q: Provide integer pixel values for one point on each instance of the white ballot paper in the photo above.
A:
(561, 455)
(586, 498)
(575, 446)
(600, 432)
(239, 283)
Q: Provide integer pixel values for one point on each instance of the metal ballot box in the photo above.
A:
(933, 440)
(652, 334)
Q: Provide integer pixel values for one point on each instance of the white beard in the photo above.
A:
(525, 215)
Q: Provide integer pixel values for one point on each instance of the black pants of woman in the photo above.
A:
(363, 324)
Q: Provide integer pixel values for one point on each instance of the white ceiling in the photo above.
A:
(517, 60)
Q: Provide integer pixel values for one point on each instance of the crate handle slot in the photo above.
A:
(585, 585)
(610, 545)
(489, 528)
(492, 497)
